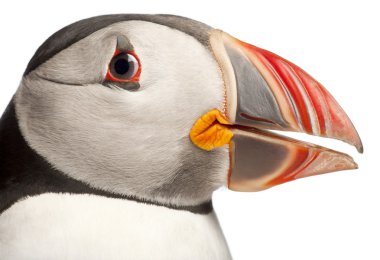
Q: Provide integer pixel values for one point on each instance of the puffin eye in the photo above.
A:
(124, 67)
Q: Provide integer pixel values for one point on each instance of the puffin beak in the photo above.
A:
(266, 92)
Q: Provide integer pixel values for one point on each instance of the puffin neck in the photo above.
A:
(25, 173)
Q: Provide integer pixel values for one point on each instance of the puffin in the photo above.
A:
(124, 125)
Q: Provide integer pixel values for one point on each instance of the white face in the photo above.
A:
(129, 142)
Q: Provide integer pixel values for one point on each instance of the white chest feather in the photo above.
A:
(63, 226)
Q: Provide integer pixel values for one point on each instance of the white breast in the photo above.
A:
(64, 226)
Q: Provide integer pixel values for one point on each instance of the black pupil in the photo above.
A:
(121, 66)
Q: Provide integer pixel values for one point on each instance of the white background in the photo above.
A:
(334, 216)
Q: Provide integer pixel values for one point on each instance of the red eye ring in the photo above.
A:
(124, 67)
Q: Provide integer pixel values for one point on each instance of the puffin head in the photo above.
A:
(167, 109)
